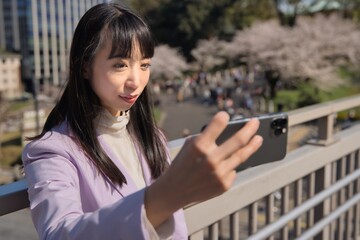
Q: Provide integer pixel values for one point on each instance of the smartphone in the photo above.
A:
(274, 130)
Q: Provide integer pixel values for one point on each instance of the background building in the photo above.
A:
(10, 81)
(41, 32)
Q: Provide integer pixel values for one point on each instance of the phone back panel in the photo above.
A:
(274, 130)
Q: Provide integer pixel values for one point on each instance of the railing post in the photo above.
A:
(253, 215)
(269, 217)
(325, 130)
(214, 231)
(298, 200)
(285, 205)
(235, 225)
(323, 181)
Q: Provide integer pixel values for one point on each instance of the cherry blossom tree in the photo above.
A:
(206, 54)
(167, 63)
(312, 50)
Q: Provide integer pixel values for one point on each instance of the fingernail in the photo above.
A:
(258, 139)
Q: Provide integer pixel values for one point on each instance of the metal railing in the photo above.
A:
(313, 193)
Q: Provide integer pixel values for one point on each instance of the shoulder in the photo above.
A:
(57, 141)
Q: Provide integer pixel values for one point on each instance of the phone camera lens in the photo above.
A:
(274, 123)
(279, 126)
(278, 131)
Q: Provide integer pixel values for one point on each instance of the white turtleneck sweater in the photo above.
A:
(114, 132)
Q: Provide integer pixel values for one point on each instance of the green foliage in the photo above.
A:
(341, 92)
(183, 23)
(308, 95)
(157, 114)
(344, 115)
(16, 106)
(144, 7)
(287, 98)
(344, 73)
(351, 73)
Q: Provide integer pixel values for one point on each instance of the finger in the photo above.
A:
(244, 153)
(223, 181)
(214, 128)
(239, 139)
(229, 180)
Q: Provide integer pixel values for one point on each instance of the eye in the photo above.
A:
(145, 66)
(119, 66)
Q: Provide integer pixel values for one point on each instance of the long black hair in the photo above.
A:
(79, 105)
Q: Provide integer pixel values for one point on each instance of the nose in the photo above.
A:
(133, 80)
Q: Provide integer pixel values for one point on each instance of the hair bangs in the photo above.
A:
(127, 32)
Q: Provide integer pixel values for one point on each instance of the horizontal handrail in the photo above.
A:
(317, 111)
(270, 177)
(13, 197)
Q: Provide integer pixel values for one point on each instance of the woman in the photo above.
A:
(100, 168)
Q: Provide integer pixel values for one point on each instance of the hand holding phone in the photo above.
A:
(274, 130)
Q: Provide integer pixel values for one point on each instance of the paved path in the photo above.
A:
(189, 115)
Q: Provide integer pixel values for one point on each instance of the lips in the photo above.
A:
(129, 99)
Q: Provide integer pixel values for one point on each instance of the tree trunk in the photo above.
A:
(287, 19)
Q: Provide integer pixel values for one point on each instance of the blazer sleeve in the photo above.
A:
(55, 202)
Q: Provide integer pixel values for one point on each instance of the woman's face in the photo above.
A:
(118, 82)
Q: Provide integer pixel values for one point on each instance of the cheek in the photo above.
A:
(145, 78)
(100, 84)
(146, 82)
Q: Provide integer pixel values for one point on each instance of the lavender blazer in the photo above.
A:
(70, 199)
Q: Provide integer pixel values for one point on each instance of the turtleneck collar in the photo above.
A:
(109, 124)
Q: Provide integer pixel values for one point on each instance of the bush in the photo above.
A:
(308, 95)
(287, 99)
